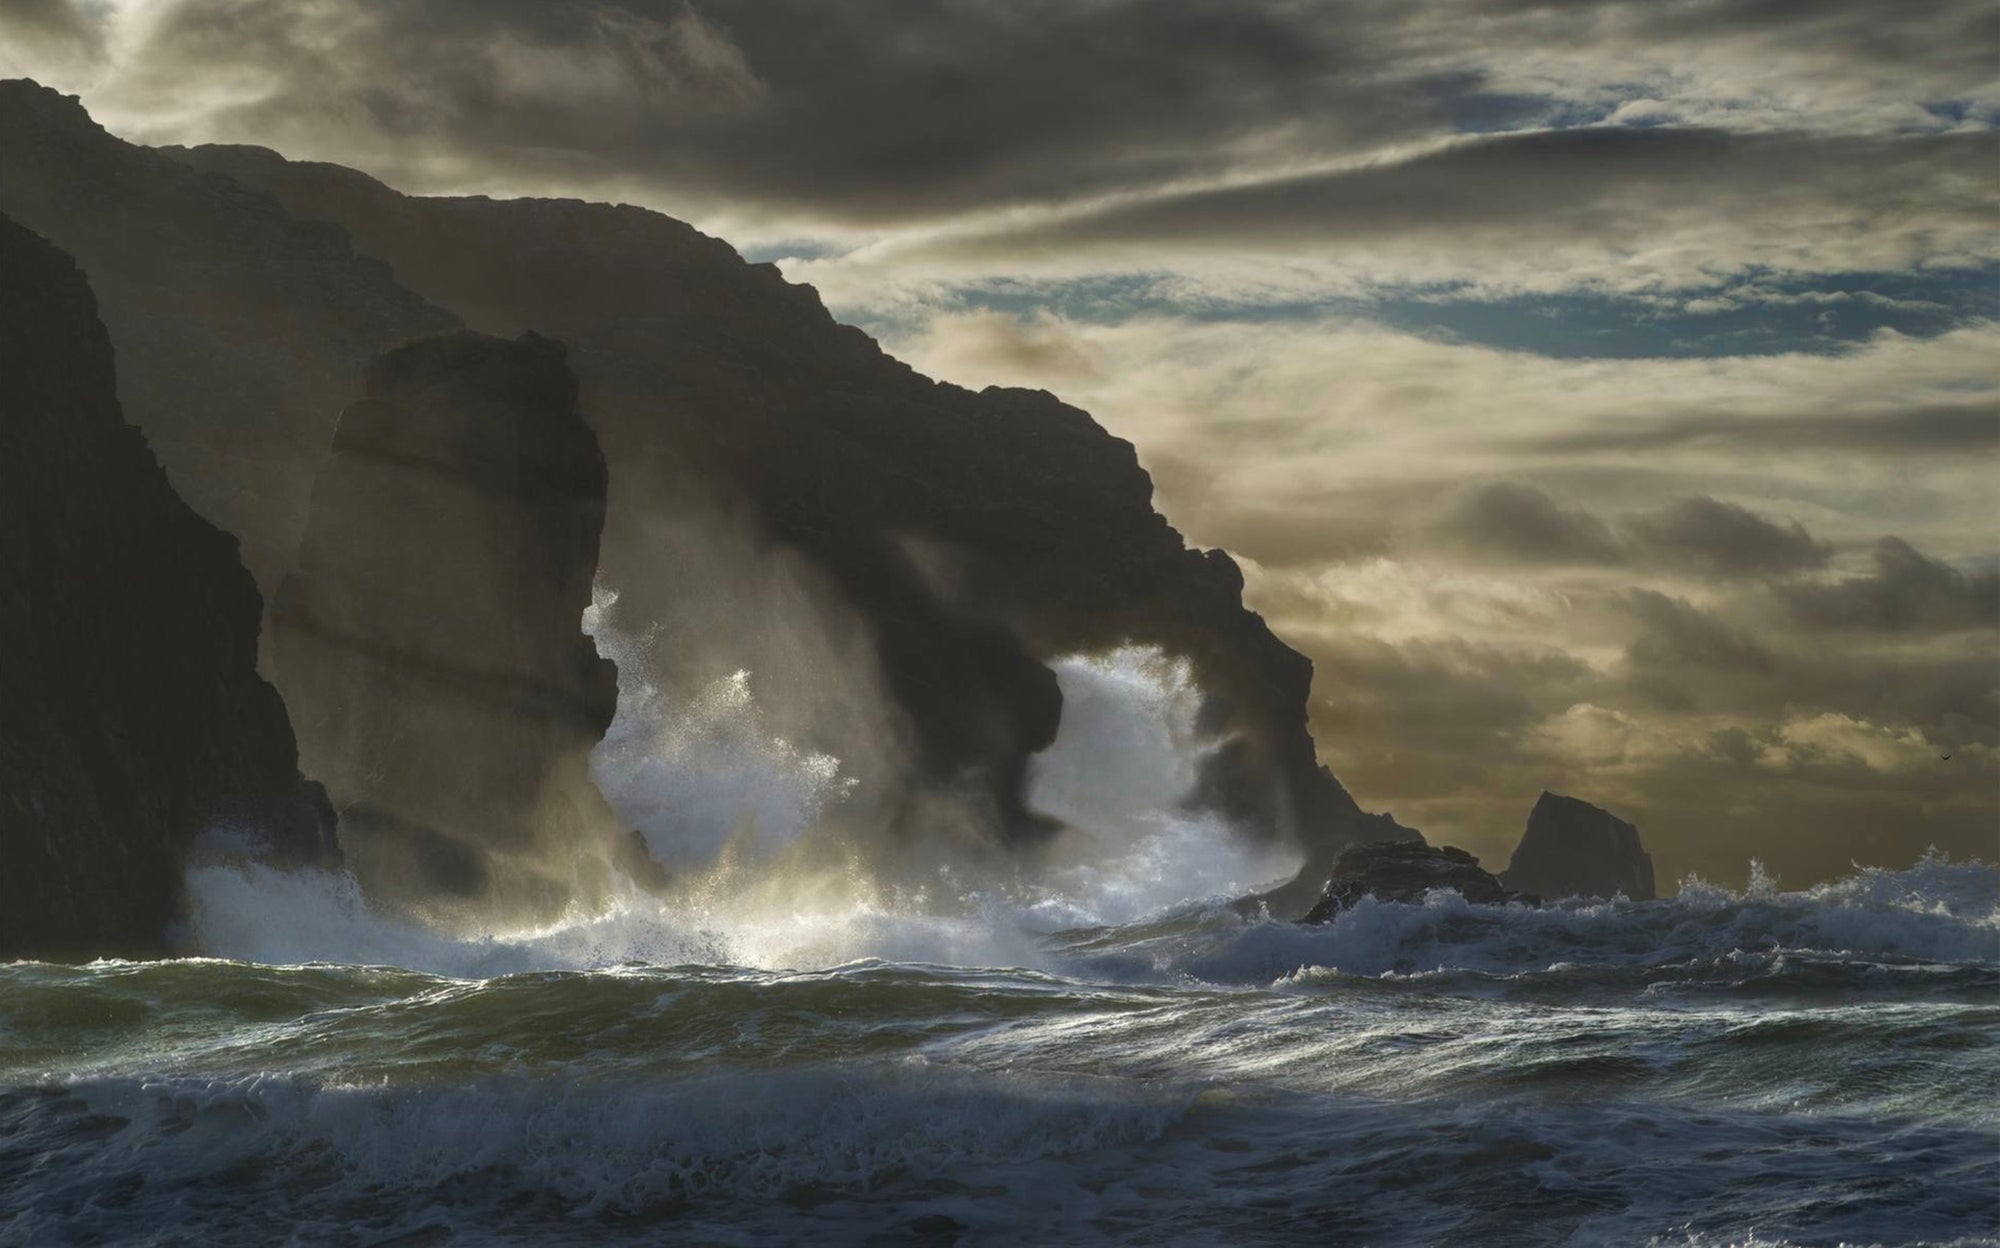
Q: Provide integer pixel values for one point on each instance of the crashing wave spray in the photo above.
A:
(769, 868)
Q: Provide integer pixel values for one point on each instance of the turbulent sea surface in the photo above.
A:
(1103, 1053)
(1809, 1067)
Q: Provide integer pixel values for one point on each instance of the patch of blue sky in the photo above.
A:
(1754, 313)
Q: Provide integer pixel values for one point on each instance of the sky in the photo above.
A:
(1600, 392)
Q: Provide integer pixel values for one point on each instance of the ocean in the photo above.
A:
(1106, 1052)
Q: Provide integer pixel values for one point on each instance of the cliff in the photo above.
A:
(784, 496)
(132, 718)
(1574, 849)
(976, 534)
(239, 330)
(429, 643)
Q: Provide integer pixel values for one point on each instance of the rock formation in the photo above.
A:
(1405, 871)
(429, 643)
(132, 718)
(239, 330)
(1574, 849)
(976, 534)
(958, 540)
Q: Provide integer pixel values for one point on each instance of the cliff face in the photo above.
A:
(975, 534)
(429, 643)
(1574, 849)
(954, 541)
(239, 330)
(131, 714)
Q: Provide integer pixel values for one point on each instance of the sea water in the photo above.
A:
(1105, 1052)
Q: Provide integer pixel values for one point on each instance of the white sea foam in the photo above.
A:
(729, 805)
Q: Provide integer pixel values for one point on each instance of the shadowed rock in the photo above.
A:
(1405, 871)
(965, 539)
(430, 643)
(132, 718)
(240, 331)
(1574, 849)
(978, 535)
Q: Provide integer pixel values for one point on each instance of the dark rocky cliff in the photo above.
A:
(1574, 849)
(976, 534)
(429, 643)
(963, 538)
(131, 714)
(239, 330)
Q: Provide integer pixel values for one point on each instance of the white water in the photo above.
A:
(738, 811)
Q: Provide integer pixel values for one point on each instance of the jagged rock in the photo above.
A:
(964, 538)
(132, 718)
(1574, 849)
(240, 331)
(975, 534)
(1405, 871)
(429, 643)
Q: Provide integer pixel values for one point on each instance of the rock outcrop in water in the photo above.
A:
(1405, 871)
(429, 643)
(1574, 849)
(132, 718)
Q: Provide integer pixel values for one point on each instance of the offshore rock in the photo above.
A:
(132, 718)
(430, 642)
(1574, 849)
(1405, 871)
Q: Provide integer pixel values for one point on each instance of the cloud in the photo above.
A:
(1970, 424)
(1678, 203)
(1513, 521)
(1185, 123)
(1723, 539)
(1624, 577)
(56, 33)
(1908, 591)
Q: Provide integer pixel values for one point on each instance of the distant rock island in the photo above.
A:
(1574, 849)
(1570, 849)
(1404, 871)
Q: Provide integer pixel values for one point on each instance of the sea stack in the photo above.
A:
(430, 643)
(1574, 849)
(132, 718)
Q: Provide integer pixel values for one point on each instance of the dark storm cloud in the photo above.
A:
(1676, 639)
(882, 111)
(1907, 592)
(1513, 521)
(866, 110)
(1935, 429)
(58, 24)
(1723, 539)
(1521, 523)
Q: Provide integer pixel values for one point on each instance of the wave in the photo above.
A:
(915, 1153)
(1935, 916)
